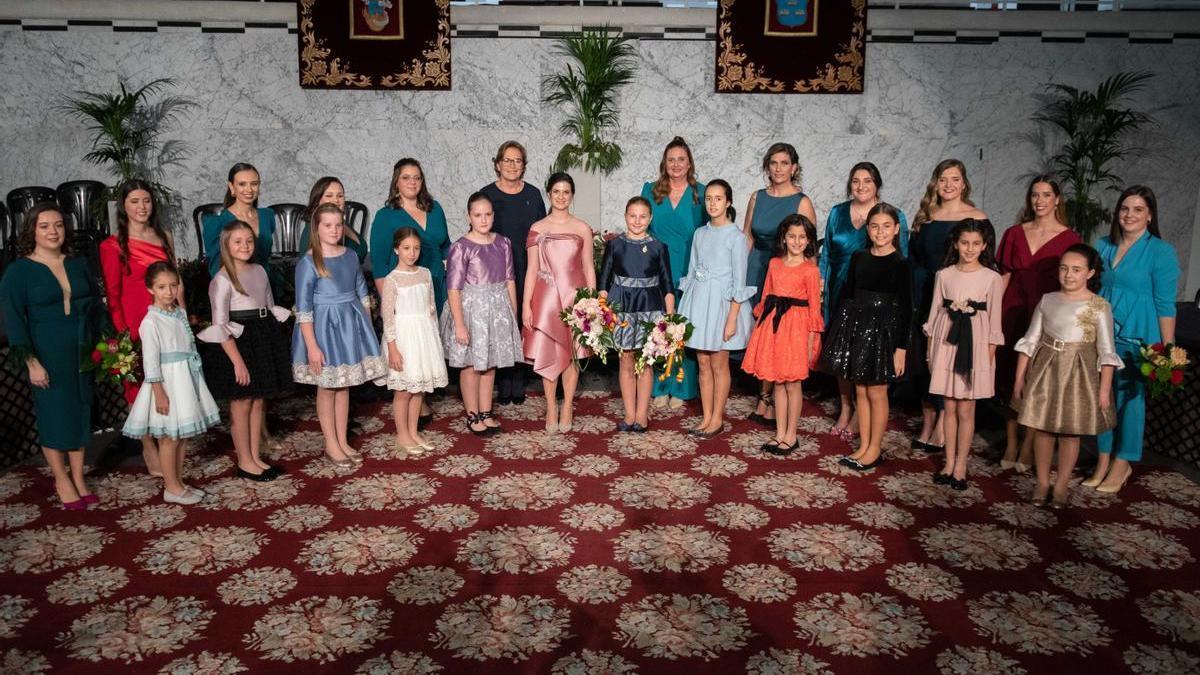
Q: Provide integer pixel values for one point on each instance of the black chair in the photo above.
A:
(198, 214)
(289, 222)
(85, 203)
(358, 219)
(8, 238)
(23, 198)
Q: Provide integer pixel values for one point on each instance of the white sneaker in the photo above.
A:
(196, 491)
(188, 498)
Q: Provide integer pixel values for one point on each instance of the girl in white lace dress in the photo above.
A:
(411, 343)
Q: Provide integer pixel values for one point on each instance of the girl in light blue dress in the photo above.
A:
(334, 345)
(717, 302)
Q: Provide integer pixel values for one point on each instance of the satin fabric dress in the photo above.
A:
(125, 288)
(980, 286)
(548, 345)
(1141, 288)
(435, 245)
(675, 226)
(768, 213)
(1031, 275)
(842, 240)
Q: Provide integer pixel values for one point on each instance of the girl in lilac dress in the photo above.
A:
(480, 332)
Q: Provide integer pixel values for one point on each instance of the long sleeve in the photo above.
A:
(110, 268)
(281, 314)
(380, 246)
(151, 350)
(456, 267)
(935, 309)
(686, 280)
(220, 297)
(14, 304)
(904, 296)
(605, 280)
(387, 307)
(440, 214)
(812, 288)
(360, 288)
(995, 300)
(823, 256)
(210, 232)
(738, 291)
(306, 286)
(1164, 278)
(1028, 344)
(1106, 347)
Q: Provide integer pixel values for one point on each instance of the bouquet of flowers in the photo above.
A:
(1162, 365)
(592, 322)
(116, 360)
(665, 340)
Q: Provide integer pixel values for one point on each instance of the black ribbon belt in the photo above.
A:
(780, 304)
(764, 242)
(962, 335)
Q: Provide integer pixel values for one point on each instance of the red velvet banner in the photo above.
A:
(374, 44)
(791, 46)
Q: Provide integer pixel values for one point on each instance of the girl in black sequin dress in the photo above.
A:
(869, 337)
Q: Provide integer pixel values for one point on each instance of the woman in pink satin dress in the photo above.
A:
(560, 262)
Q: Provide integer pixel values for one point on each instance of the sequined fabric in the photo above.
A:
(863, 338)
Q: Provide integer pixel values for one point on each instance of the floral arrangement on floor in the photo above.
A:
(116, 360)
(1162, 365)
(665, 341)
(592, 322)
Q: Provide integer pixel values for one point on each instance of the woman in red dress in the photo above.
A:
(139, 242)
(1028, 258)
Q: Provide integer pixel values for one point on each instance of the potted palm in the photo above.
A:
(127, 137)
(1099, 130)
(598, 63)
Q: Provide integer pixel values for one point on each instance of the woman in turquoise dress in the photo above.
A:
(676, 213)
(409, 204)
(767, 208)
(54, 313)
(844, 235)
(329, 190)
(241, 203)
(1140, 277)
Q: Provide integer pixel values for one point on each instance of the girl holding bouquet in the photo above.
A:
(560, 262)
(787, 339)
(635, 276)
(716, 300)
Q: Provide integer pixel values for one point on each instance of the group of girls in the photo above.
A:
(490, 303)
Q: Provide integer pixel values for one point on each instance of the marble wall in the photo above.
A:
(924, 102)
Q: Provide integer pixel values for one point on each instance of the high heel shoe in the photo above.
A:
(1093, 482)
(1110, 490)
(90, 499)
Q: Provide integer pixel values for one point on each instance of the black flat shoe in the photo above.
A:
(780, 450)
(934, 449)
(847, 461)
(256, 477)
(622, 426)
(756, 418)
(919, 446)
(940, 478)
(638, 428)
(274, 471)
(859, 466)
(958, 484)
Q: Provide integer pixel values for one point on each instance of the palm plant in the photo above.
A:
(128, 130)
(1099, 131)
(599, 62)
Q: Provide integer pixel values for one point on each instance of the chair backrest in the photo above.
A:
(22, 199)
(358, 219)
(85, 205)
(289, 221)
(8, 237)
(198, 214)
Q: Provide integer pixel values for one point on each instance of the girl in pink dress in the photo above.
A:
(560, 262)
(964, 330)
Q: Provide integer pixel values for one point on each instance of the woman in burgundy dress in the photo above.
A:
(139, 242)
(1028, 258)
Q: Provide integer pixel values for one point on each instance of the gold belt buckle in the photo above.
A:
(1054, 343)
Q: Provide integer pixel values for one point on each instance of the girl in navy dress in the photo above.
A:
(635, 276)
(334, 345)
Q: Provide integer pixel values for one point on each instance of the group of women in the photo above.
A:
(53, 309)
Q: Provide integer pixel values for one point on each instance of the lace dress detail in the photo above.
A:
(410, 323)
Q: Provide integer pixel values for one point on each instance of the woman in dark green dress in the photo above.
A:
(241, 203)
(53, 314)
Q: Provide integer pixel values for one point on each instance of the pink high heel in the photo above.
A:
(77, 505)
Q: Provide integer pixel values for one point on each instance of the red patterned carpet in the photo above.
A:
(597, 553)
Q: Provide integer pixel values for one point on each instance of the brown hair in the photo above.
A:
(26, 242)
(233, 171)
(640, 200)
(314, 238)
(314, 200)
(158, 267)
(662, 186)
(891, 212)
(127, 188)
(1114, 235)
(931, 198)
(1060, 211)
(227, 263)
(789, 150)
(505, 147)
(404, 233)
(872, 171)
(424, 199)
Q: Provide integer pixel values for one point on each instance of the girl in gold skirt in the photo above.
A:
(1065, 366)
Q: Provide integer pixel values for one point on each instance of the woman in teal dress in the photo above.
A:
(767, 208)
(54, 313)
(676, 213)
(241, 203)
(844, 235)
(409, 204)
(329, 190)
(1140, 277)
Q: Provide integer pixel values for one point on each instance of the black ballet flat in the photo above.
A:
(638, 428)
(256, 477)
(859, 466)
(847, 461)
(958, 484)
(780, 450)
(934, 449)
(919, 446)
(275, 471)
(940, 478)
